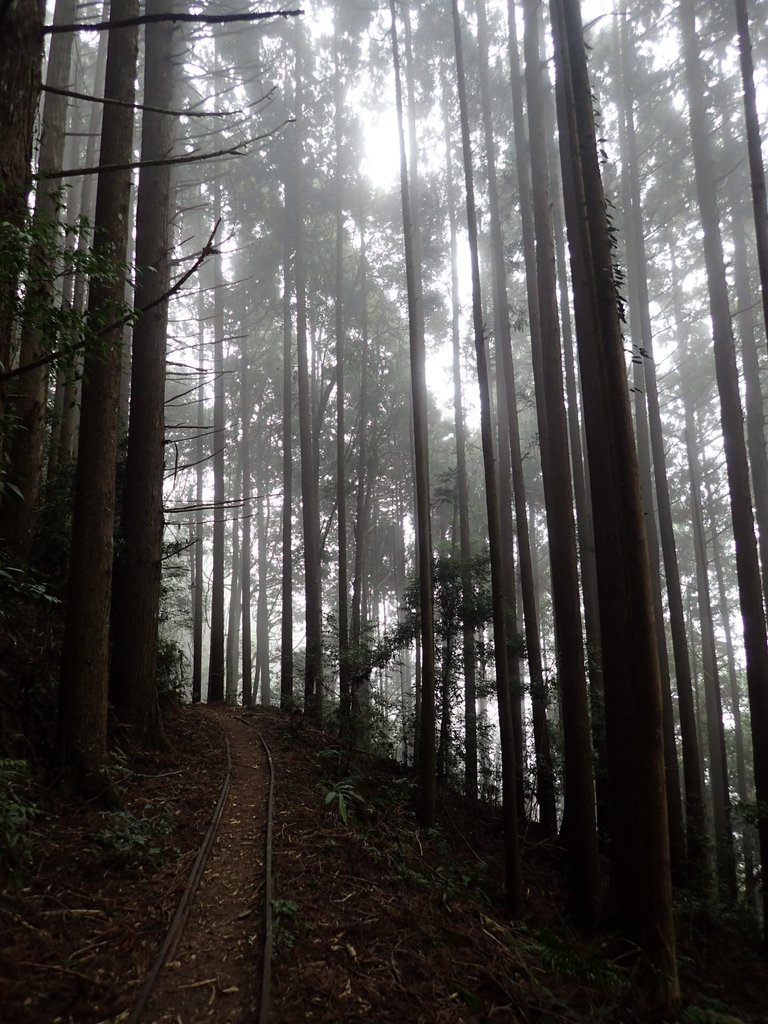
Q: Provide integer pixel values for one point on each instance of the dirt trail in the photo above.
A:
(215, 973)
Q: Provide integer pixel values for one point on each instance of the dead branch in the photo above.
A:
(208, 250)
(192, 158)
(153, 110)
(176, 16)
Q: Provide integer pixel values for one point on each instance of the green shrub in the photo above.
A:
(133, 842)
(16, 816)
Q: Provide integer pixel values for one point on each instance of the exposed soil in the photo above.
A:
(78, 937)
(374, 918)
(215, 972)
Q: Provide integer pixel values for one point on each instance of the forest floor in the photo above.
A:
(374, 918)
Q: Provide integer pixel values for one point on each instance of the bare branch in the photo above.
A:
(208, 250)
(154, 110)
(74, 172)
(176, 16)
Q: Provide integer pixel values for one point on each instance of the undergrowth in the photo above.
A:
(17, 813)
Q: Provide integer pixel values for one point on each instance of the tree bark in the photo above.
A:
(744, 318)
(687, 864)
(513, 884)
(216, 661)
(640, 843)
(545, 780)
(27, 397)
(313, 672)
(726, 372)
(507, 406)
(85, 655)
(754, 151)
(198, 592)
(341, 448)
(286, 603)
(579, 826)
(427, 765)
(462, 487)
(248, 508)
(262, 607)
(21, 45)
(718, 768)
(233, 613)
(750, 882)
(133, 680)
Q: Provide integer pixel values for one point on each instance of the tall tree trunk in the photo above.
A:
(462, 487)
(651, 452)
(341, 482)
(216, 662)
(313, 671)
(85, 655)
(513, 889)
(365, 475)
(21, 46)
(507, 407)
(754, 151)
(718, 768)
(640, 843)
(133, 680)
(198, 594)
(362, 449)
(545, 781)
(262, 606)
(579, 825)
(248, 509)
(27, 397)
(753, 391)
(70, 422)
(726, 372)
(233, 613)
(735, 710)
(584, 520)
(421, 455)
(286, 601)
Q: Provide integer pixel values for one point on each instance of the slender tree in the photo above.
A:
(216, 660)
(462, 487)
(341, 447)
(579, 826)
(313, 669)
(506, 404)
(427, 766)
(27, 398)
(650, 434)
(286, 604)
(506, 731)
(133, 682)
(85, 655)
(754, 150)
(545, 781)
(198, 592)
(245, 572)
(726, 373)
(21, 43)
(640, 863)
(718, 768)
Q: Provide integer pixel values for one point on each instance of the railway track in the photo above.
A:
(176, 930)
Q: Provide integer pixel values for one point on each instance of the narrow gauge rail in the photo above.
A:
(176, 928)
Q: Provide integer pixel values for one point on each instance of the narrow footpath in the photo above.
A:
(214, 974)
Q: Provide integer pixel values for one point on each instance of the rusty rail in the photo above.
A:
(172, 936)
(266, 972)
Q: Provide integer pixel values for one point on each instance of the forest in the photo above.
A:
(401, 366)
